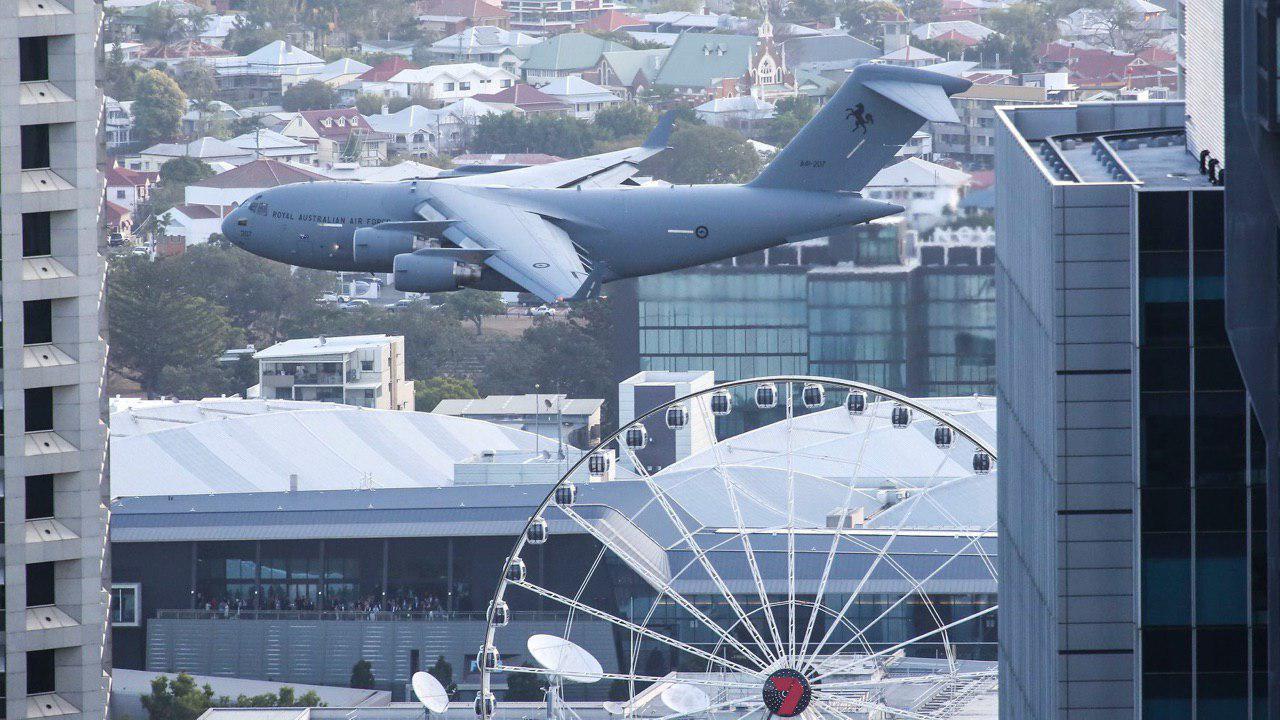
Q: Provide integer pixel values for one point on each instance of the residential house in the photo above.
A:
(1123, 25)
(188, 50)
(523, 98)
(128, 188)
(263, 76)
(584, 98)
(629, 73)
(206, 149)
(743, 113)
(422, 132)
(238, 184)
(487, 45)
(920, 145)
(612, 21)
(217, 28)
(342, 71)
(362, 370)
(374, 80)
(567, 54)
(908, 56)
(343, 135)
(552, 16)
(929, 192)
(118, 222)
(448, 17)
(129, 51)
(203, 119)
(681, 21)
(1092, 68)
(703, 66)
(263, 143)
(117, 131)
(446, 83)
(964, 32)
(829, 51)
(182, 226)
(402, 48)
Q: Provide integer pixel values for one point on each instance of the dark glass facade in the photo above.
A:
(1201, 542)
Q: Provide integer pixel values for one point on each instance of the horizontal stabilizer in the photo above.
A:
(466, 255)
(426, 228)
(928, 101)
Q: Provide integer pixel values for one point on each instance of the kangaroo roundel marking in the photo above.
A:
(786, 693)
(701, 232)
(541, 265)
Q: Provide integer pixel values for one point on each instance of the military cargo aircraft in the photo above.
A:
(563, 229)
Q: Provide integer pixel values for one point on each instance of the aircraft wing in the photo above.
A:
(525, 247)
(604, 170)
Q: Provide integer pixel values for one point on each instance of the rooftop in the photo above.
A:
(323, 346)
(260, 174)
(519, 405)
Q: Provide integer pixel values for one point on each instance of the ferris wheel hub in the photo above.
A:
(787, 693)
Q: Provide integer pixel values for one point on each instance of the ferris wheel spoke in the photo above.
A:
(791, 528)
(730, 489)
(633, 627)
(835, 541)
(917, 587)
(621, 676)
(905, 643)
(705, 562)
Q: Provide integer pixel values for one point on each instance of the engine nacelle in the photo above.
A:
(425, 274)
(375, 250)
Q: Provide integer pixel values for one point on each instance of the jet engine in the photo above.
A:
(424, 274)
(375, 249)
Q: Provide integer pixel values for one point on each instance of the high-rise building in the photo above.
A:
(55, 660)
(1130, 512)
(1251, 146)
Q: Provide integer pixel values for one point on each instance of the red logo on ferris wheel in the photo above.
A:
(786, 693)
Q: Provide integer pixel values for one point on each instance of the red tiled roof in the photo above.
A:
(124, 177)
(1157, 55)
(475, 9)
(611, 20)
(979, 179)
(1088, 66)
(260, 174)
(189, 48)
(115, 212)
(957, 37)
(351, 117)
(385, 69)
(522, 96)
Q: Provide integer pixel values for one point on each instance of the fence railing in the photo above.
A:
(349, 615)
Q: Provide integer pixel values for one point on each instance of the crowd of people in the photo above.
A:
(426, 604)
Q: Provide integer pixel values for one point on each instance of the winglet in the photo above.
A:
(661, 133)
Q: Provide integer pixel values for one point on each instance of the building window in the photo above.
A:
(37, 322)
(35, 147)
(40, 677)
(126, 604)
(39, 406)
(40, 585)
(39, 497)
(366, 365)
(37, 234)
(33, 59)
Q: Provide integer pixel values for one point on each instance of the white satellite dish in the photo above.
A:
(430, 692)
(614, 708)
(685, 699)
(564, 658)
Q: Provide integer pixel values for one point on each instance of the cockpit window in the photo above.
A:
(258, 208)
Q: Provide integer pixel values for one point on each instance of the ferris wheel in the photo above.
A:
(834, 561)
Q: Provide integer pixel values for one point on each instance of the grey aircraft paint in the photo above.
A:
(561, 230)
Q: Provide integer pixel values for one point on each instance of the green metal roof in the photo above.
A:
(570, 51)
(627, 63)
(698, 60)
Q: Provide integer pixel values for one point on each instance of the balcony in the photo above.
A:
(49, 705)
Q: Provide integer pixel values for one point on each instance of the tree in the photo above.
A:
(790, 114)
(474, 305)
(369, 104)
(196, 80)
(861, 18)
(119, 77)
(1023, 29)
(157, 325)
(163, 24)
(158, 108)
(625, 120)
(362, 675)
(177, 699)
(525, 686)
(443, 672)
(244, 39)
(184, 170)
(705, 154)
(310, 95)
(427, 394)
(552, 134)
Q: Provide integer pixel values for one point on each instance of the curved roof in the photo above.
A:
(333, 448)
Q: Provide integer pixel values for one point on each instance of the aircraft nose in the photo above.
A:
(236, 227)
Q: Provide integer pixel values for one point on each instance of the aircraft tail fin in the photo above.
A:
(661, 133)
(860, 129)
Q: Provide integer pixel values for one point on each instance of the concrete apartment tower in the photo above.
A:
(56, 591)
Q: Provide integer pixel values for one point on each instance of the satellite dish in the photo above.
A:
(564, 658)
(430, 692)
(685, 699)
(614, 708)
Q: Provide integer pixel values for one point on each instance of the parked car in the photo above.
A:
(543, 311)
(353, 303)
(402, 303)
